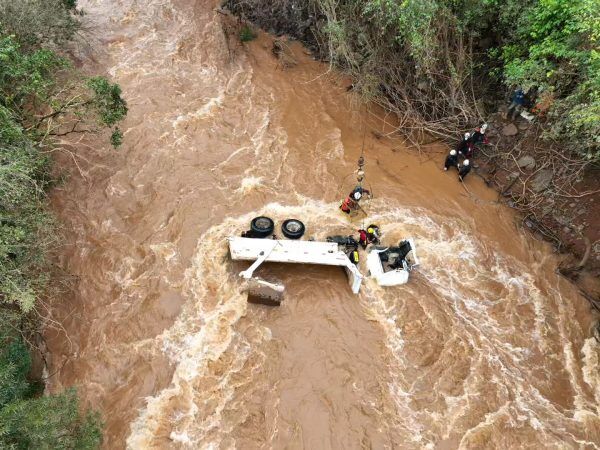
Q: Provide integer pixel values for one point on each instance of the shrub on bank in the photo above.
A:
(32, 421)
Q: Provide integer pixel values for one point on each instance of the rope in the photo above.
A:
(362, 150)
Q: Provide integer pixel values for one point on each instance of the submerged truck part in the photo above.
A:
(386, 274)
(264, 292)
(287, 251)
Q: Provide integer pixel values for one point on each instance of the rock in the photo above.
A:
(511, 176)
(541, 180)
(572, 205)
(510, 130)
(566, 229)
(526, 162)
(523, 125)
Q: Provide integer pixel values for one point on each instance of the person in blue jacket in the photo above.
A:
(516, 104)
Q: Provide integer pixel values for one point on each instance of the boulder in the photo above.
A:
(526, 162)
(510, 130)
(541, 180)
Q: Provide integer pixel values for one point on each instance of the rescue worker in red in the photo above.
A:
(368, 236)
(363, 238)
(348, 205)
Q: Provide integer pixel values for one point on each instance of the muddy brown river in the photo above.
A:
(485, 347)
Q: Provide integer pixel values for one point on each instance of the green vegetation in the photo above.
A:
(246, 34)
(556, 50)
(31, 421)
(42, 98)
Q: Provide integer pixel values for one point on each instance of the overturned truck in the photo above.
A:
(389, 266)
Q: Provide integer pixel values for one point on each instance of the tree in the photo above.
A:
(37, 23)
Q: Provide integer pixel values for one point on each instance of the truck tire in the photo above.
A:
(292, 229)
(262, 226)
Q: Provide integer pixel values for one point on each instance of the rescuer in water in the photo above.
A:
(451, 160)
(348, 205)
(358, 192)
(351, 202)
(464, 169)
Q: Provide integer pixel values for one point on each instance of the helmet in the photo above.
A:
(370, 230)
(357, 195)
(467, 135)
(453, 152)
(466, 162)
(483, 128)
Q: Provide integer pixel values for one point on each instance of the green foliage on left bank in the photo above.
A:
(42, 99)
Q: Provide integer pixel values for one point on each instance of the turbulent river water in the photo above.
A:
(484, 348)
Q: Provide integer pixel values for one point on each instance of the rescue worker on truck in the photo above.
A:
(373, 234)
(353, 255)
(363, 238)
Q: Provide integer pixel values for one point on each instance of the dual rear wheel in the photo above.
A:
(263, 226)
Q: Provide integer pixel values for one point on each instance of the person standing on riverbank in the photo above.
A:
(516, 104)
(451, 160)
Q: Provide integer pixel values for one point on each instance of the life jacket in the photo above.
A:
(362, 235)
(354, 256)
(347, 205)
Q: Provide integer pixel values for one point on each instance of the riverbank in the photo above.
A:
(554, 205)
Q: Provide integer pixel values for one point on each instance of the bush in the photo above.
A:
(39, 22)
(556, 53)
(30, 422)
(246, 34)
